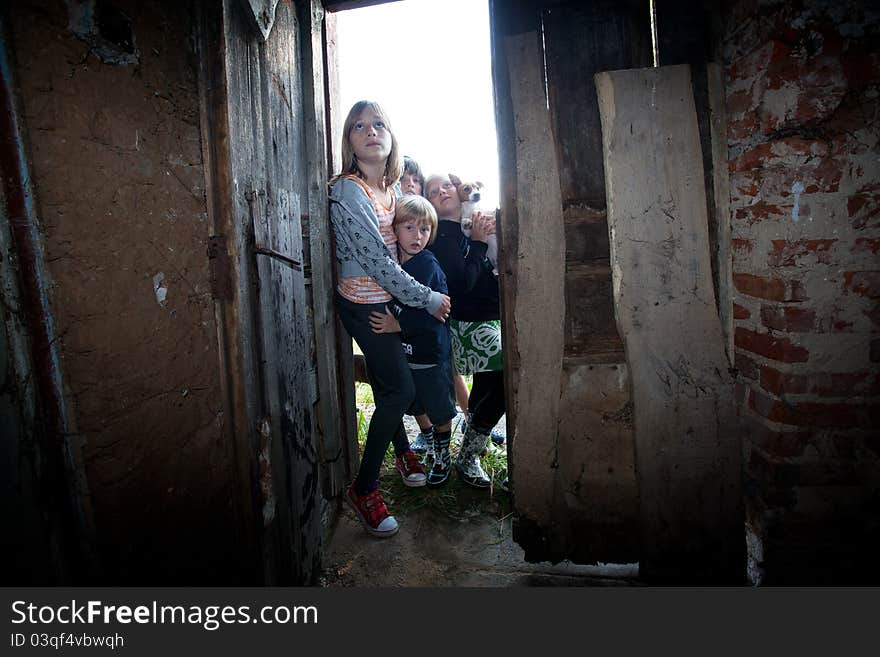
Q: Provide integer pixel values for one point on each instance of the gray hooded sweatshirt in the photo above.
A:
(360, 250)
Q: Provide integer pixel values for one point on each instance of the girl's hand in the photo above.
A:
(443, 311)
(484, 225)
(384, 323)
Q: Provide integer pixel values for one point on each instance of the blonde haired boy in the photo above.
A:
(425, 339)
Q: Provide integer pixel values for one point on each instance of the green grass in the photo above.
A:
(455, 499)
(363, 395)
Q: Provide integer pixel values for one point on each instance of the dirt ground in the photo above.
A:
(451, 536)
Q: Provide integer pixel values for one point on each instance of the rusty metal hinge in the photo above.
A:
(220, 268)
(259, 249)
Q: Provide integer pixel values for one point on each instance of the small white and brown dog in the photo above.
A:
(469, 194)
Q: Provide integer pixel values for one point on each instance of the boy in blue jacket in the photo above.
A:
(425, 339)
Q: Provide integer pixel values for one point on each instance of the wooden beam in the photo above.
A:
(532, 269)
(688, 456)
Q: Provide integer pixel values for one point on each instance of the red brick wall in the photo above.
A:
(803, 98)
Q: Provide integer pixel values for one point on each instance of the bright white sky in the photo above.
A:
(439, 96)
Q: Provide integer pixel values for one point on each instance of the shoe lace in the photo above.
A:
(373, 507)
(411, 462)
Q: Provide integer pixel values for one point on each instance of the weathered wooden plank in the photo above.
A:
(335, 114)
(232, 335)
(597, 465)
(289, 386)
(686, 33)
(590, 326)
(577, 443)
(687, 449)
(246, 193)
(583, 38)
(586, 240)
(721, 184)
(534, 257)
(336, 422)
(335, 117)
(274, 317)
(263, 13)
(257, 199)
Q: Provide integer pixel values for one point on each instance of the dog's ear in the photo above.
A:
(455, 180)
(479, 184)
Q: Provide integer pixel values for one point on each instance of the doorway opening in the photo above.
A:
(431, 72)
(433, 77)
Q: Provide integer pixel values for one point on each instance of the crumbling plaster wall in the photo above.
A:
(116, 165)
(802, 84)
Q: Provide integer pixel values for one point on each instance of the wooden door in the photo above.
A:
(263, 131)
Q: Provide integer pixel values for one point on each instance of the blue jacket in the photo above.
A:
(425, 338)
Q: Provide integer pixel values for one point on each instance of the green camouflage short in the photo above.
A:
(476, 346)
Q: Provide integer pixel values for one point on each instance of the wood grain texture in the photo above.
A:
(232, 336)
(259, 199)
(580, 499)
(290, 385)
(336, 421)
(582, 39)
(535, 260)
(687, 448)
(721, 184)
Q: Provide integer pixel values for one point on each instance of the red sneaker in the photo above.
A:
(410, 469)
(373, 513)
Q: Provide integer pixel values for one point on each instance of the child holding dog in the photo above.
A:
(475, 323)
(425, 339)
(362, 207)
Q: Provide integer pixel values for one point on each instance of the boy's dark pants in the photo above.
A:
(435, 393)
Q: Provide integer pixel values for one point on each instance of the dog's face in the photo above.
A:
(467, 191)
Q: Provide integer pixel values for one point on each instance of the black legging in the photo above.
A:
(486, 401)
(393, 388)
